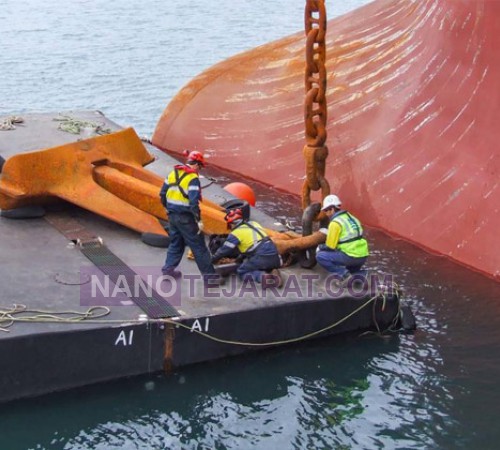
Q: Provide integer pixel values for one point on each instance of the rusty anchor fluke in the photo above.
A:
(105, 175)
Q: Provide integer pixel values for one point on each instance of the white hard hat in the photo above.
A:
(331, 200)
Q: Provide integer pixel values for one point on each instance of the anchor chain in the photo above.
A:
(315, 107)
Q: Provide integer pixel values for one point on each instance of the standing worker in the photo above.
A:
(259, 251)
(345, 250)
(181, 195)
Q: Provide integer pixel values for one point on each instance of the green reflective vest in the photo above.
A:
(351, 240)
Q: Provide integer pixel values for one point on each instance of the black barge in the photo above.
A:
(56, 334)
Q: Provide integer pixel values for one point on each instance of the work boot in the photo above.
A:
(277, 275)
(171, 272)
(355, 281)
(338, 281)
(271, 280)
(213, 280)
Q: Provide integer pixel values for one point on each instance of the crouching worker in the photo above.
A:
(258, 250)
(345, 250)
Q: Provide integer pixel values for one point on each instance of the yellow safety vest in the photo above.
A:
(178, 186)
(351, 240)
(249, 234)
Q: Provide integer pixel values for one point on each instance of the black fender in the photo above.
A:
(407, 318)
(25, 212)
(155, 240)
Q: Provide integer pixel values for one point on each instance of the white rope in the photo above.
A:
(7, 123)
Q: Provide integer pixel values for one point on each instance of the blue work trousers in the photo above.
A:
(264, 259)
(183, 230)
(337, 262)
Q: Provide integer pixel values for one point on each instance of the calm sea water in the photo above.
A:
(436, 388)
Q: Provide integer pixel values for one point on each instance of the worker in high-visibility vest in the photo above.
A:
(181, 195)
(345, 250)
(260, 255)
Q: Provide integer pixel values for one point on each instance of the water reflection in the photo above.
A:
(306, 396)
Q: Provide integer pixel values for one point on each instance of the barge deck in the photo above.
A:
(68, 336)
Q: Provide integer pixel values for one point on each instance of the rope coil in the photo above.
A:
(19, 313)
(8, 123)
(75, 126)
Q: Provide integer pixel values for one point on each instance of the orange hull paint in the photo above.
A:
(413, 133)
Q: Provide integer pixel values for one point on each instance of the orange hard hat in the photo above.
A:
(195, 157)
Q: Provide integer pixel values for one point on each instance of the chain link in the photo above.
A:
(315, 107)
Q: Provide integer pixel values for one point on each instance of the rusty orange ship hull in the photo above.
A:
(413, 129)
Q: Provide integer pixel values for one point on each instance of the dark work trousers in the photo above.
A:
(265, 258)
(337, 262)
(183, 230)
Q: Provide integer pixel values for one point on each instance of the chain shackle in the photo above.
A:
(315, 107)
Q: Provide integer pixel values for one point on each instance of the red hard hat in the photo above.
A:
(195, 157)
(234, 216)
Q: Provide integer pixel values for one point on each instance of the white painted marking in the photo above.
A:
(122, 338)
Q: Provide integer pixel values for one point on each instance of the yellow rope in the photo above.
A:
(286, 341)
(93, 315)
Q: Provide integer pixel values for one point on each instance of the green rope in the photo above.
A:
(286, 341)
(75, 126)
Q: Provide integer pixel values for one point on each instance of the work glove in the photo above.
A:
(321, 248)
(201, 227)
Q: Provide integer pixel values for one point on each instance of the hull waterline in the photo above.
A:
(413, 89)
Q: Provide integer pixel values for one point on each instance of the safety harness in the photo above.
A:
(178, 180)
(263, 237)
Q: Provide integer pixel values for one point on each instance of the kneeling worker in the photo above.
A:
(260, 253)
(345, 250)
